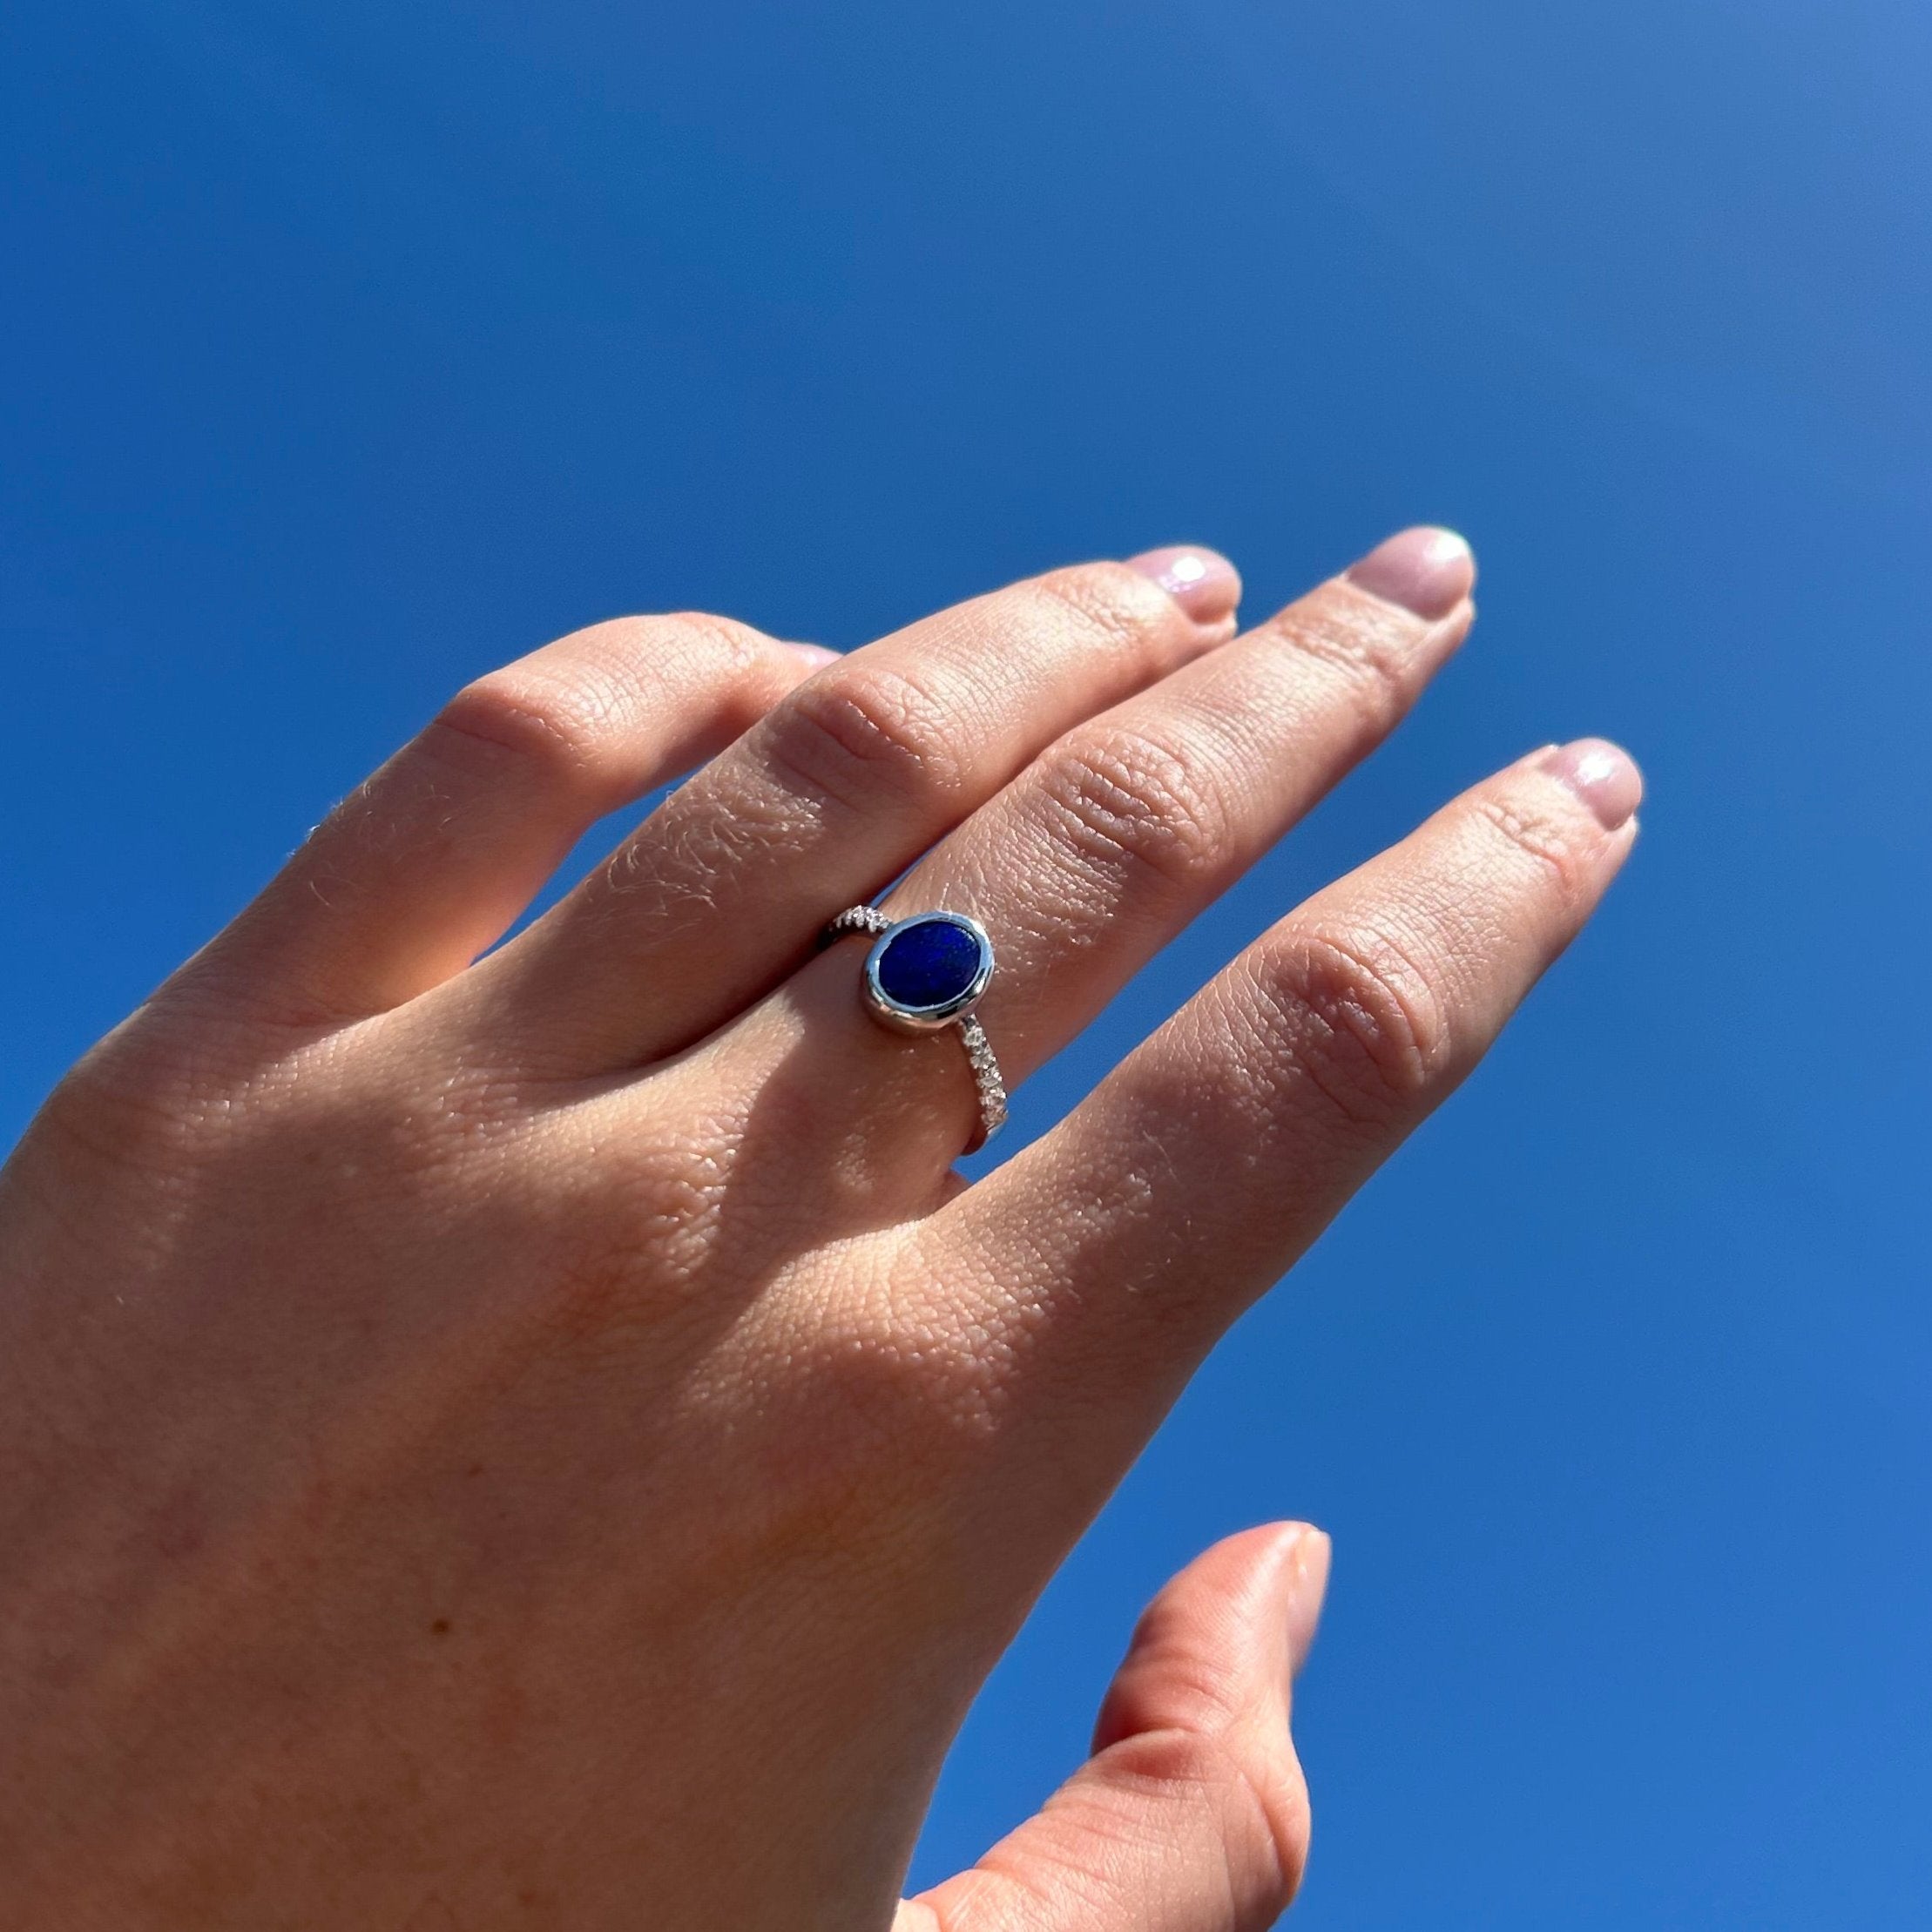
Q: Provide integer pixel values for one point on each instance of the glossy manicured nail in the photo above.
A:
(1428, 572)
(1310, 1556)
(1604, 776)
(1203, 582)
(815, 654)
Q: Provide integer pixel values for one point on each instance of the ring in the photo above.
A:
(929, 972)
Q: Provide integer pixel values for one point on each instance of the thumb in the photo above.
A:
(1191, 1815)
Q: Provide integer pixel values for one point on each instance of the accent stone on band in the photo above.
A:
(930, 962)
(854, 919)
(986, 1079)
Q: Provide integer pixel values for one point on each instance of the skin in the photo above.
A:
(545, 1439)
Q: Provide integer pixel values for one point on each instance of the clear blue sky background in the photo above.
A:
(346, 350)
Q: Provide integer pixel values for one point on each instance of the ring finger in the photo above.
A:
(1131, 823)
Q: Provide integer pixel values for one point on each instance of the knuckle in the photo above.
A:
(723, 644)
(1370, 645)
(1541, 836)
(179, 1097)
(563, 712)
(128, 1109)
(1359, 1020)
(918, 1393)
(893, 1420)
(1128, 801)
(1278, 1794)
(1255, 1799)
(862, 738)
(637, 1244)
(897, 1379)
(1106, 606)
(549, 722)
(722, 654)
(668, 1191)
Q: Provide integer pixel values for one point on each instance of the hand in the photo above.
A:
(545, 1440)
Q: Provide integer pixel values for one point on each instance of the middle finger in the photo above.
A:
(1125, 827)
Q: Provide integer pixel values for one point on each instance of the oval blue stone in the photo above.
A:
(928, 963)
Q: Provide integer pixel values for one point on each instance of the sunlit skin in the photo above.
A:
(542, 1437)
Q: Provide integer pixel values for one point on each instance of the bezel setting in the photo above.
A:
(908, 1019)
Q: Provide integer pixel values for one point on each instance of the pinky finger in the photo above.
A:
(432, 857)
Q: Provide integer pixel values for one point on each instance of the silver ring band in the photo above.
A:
(925, 973)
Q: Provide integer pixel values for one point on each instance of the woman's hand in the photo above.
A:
(549, 1442)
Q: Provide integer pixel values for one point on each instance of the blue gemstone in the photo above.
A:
(928, 964)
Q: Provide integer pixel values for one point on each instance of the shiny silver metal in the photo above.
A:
(956, 1010)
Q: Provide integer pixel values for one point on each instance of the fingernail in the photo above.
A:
(1604, 776)
(1202, 581)
(1311, 1557)
(815, 654)
(1426, 571)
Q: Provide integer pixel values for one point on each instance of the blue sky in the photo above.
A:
(345, 351)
